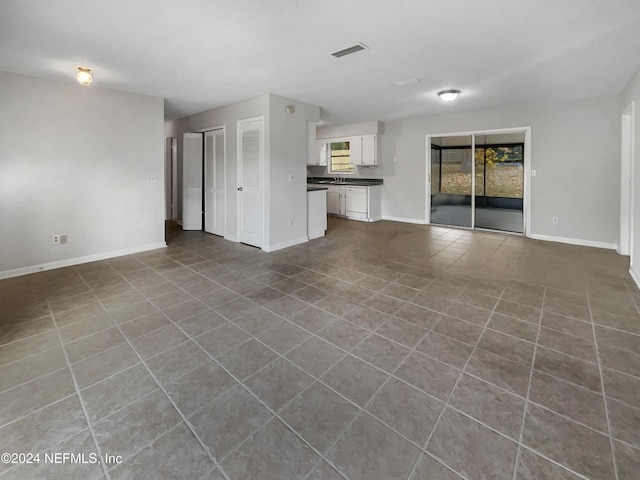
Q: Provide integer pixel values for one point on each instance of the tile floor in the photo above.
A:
(382, 351)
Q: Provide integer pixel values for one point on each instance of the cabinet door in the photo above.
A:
(369, 150)
(357, 202)
(343, 201)
(321, 154)
(333, 201)
(355, 147)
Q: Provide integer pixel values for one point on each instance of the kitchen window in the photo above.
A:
(340, 158)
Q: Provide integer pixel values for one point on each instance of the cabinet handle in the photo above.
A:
(239, 189)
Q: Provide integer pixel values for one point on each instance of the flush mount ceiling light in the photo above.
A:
(84, 76)
(289, 109)
(449, 95)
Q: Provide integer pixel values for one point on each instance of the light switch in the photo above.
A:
(291, 177)
(533, 173)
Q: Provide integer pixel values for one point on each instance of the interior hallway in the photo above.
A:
(381, 351)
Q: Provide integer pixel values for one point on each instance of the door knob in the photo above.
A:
(239, 189)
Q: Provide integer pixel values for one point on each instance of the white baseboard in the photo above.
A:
(635, 275)
(79, 260)
(318, 234)
(574, 241)
(192, 227)
(231, 238)
(404, 220)
(286, 244)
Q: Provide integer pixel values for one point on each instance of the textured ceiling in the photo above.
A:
(200, 54)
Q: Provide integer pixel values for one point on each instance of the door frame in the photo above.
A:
(526, 204)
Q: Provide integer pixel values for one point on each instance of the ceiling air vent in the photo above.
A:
(348, 51)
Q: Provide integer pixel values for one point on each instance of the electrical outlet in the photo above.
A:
(151, 178)
(410, 206)
(554, 220)
(292, 177)
(290, 222)
(55, 239)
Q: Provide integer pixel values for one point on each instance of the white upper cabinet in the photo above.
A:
(364, 150)
(318, 157)
(317, 149)
(369, 150)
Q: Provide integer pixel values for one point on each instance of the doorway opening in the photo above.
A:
(478, 180)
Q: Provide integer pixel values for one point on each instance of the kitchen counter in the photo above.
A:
(365, 182)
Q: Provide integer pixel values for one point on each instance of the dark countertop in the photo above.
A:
(314, 189)
(365, 182)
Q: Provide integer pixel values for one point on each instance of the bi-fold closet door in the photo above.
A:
(204, 186)
(214, 182)
(478, 180)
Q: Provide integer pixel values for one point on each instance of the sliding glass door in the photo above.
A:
(451, 181)
(500, 182)
(477, 181)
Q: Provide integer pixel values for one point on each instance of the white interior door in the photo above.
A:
(192, 181)
(214, 175)
(250, 164)
(626, 180)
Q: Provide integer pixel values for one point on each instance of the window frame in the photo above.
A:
(330, 156)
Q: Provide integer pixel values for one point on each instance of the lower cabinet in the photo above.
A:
(355, 202)
(336, 200)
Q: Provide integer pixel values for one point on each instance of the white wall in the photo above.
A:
(288, 199)
(285, 148)
(575, 152)
(631, 93)
(75, 160)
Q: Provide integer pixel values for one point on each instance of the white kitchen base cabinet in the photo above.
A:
(355, 202)
(316, 213)
(336, 200)
(364, 203)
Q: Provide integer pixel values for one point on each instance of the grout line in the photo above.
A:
(604, 394)
(282, 355)
(462, 370)
(80, 399)
(526, 400)
(163, 390)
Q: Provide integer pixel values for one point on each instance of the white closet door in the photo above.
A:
(192, 181)
(214, 171)
(250, 164)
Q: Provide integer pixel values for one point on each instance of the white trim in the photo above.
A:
(231, 238)
(79, 260)
(574, 241)
(635, 275)
(285, 244)
(415, 221)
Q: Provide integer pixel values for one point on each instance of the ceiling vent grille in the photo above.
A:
(348, 51)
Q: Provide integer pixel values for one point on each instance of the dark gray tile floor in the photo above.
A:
(381, 351)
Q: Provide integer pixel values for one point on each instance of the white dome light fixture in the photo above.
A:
(84, 76)
(449, 95)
